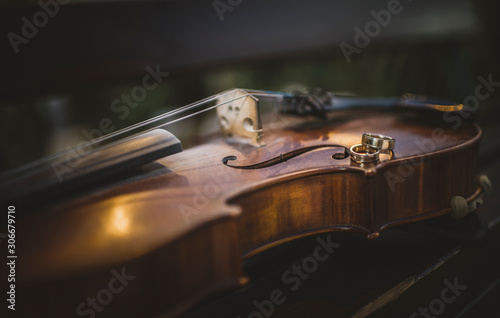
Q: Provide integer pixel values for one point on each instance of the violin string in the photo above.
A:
(248, 92)
(158, 118)
(193, 114)
(155, 119)
(183, 109)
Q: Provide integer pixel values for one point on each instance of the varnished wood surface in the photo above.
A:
(308, 194)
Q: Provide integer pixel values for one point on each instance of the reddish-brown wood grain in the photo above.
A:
(184, 231)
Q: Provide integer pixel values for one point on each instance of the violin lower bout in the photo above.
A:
(364, 201)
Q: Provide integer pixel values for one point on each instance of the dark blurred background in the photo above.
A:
(64, 78)
(70, 62)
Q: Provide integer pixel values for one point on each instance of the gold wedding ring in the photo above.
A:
(378, 141)
(364, 153)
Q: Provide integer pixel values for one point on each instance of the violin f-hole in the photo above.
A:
(286, 156)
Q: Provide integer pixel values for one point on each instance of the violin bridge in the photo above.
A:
(239, 117)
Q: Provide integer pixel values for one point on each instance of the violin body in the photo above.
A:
(182, 228)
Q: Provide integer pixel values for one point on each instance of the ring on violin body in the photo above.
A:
(364, 153)
(388, 152)
(378, 141)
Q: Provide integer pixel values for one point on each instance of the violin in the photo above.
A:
(172, 226)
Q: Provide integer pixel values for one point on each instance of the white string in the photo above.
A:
(153, 120)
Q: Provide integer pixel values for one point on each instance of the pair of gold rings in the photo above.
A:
(371, 146)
